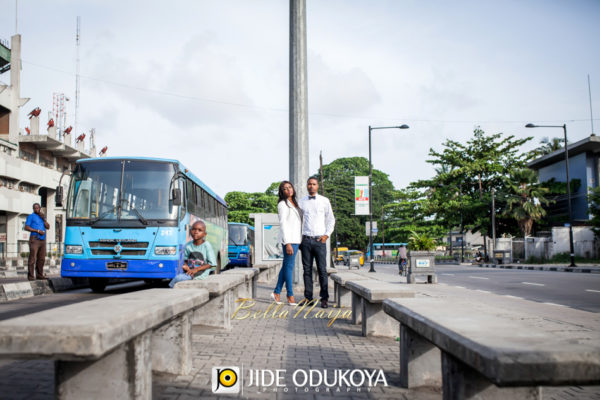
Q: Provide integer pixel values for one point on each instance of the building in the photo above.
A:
(32, 163)
(584, 157)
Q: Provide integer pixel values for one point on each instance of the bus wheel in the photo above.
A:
(97, 284)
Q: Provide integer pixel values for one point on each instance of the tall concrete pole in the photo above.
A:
(298, 105)
(298, 98)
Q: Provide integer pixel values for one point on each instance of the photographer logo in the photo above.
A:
(225, 380)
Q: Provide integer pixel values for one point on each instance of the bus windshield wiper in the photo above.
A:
(140, 216)
(105, 214)
(233, 241)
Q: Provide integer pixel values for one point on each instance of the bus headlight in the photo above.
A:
(70, 249)
(243, 255)
(165, 250)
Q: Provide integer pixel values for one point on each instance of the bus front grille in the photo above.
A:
(123, 243)
(111, 252)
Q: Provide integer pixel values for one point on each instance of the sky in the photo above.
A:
(207, 82)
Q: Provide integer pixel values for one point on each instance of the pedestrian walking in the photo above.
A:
(290, 236)
(317, 225)
(36, 224)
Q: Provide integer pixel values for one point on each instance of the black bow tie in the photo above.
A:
(312, 197)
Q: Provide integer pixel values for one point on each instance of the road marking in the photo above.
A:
(512, 297)
(460, 287)
(592, 290)
(483, 291)
(532, 283)
(478, 277)
(554, 304)
(448, 274)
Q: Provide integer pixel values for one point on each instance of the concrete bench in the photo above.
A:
(251, 276)
(491, 351)
(222, 289)
(343, 295)
(372, 293)
(108, 347)
(267, 273)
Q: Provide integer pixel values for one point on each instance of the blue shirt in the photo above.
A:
(36, 222)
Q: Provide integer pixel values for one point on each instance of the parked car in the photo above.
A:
(348, 255)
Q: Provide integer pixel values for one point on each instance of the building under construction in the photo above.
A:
(33, 161)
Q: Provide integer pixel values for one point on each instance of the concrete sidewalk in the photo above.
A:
(268, 344)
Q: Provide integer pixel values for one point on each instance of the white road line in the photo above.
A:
(449, 274)
(512, 297)
(554, 304)
(460, 287)
(592, 290)
(532, 283)
(478, 277)
(483, 291)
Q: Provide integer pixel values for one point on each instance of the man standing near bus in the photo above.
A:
(317, 226)
(36, 224)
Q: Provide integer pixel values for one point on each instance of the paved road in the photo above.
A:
(576, 290)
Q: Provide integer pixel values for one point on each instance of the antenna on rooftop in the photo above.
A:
(77, 75)
(591, 113)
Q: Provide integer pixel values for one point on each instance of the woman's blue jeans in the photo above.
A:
(287, 270)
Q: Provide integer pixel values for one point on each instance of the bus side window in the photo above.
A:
(181, 185)
(189, 192)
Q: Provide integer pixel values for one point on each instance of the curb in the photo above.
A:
(592, 270)
(20, 290)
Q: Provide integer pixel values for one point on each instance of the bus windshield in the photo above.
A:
(238, 235)
(121, 190)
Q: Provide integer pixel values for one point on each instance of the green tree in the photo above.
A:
(466, 174)
(547, 146)
(524, 198)
(408, 213)
(242, 204)
(338, 182)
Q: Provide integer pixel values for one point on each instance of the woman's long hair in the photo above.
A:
(283, 197)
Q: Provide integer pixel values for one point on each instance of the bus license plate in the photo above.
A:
(116, 265)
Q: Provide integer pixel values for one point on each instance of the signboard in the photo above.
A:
(423, 263)
(374, 227)
(2, 237)
(361, 195)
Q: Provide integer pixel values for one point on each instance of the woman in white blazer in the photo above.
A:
(290, 235)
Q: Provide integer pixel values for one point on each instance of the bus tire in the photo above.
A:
(98, 284)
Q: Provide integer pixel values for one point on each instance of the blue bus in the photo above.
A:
(241, 244)
(387, 250)
(130, 218)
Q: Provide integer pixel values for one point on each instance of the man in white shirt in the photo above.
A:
(317, 225)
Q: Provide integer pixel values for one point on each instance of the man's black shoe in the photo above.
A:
(323, 303)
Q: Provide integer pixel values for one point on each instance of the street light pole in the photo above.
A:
(564, 127)
(371, 128)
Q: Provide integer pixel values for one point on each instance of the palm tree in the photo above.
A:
(524, 202)
(547, 146)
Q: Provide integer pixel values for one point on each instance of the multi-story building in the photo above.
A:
(584, 165)
(32, 163)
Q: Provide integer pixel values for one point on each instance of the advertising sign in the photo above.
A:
(361, 195)
(374, 227)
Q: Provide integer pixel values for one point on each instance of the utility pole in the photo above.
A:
(76, 133)
(493, 222)
(298, 104)
(321, 172)
(382, 232)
